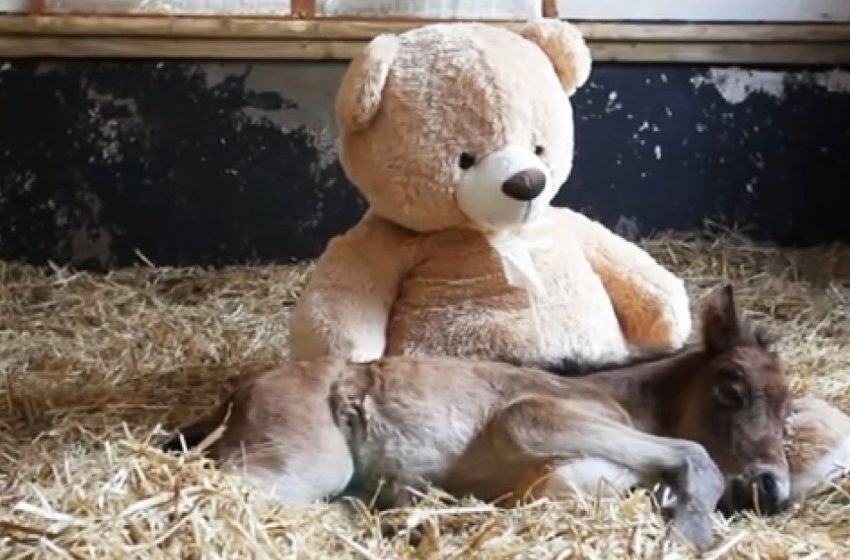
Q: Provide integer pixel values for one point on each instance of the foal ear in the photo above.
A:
(763, 337)
(720, 328)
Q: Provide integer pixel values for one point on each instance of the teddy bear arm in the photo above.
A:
(344, 308)
(650, 302)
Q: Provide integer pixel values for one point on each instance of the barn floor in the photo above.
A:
(91, 366)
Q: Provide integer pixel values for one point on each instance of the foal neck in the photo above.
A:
(654, 393)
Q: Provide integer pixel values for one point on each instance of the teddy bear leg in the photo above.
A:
(817, 446)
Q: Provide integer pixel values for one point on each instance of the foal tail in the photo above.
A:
(196, 432)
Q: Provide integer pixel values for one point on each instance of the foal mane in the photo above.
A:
(749, 333)
(577, 368)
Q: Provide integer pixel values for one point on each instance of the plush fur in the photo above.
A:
(817, 445)
(444, 262)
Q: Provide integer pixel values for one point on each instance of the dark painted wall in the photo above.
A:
(214, 164)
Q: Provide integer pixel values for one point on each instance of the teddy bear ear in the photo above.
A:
(359, 94)
(564, 44)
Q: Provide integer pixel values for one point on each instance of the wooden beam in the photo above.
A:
(152, 47)
(724, 53)
(36, 7)
(549, 8)
(283, 38)
(332, 29)
(146, 47)
(304, 9)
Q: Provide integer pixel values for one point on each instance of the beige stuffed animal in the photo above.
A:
(459, 136)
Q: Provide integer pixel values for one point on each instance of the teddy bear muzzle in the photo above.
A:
(508, 187)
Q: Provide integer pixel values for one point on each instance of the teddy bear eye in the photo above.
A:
(466, 160)
(538, 150)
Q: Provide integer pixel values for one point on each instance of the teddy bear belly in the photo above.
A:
(491, 321)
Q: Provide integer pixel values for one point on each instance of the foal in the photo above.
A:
(309, 430)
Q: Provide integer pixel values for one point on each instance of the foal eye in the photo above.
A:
(730, 389)
(538, 150)
(466, 160)
(729, 395)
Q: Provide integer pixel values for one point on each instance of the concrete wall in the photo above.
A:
(205, 163)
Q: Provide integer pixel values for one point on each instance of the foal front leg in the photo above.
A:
(544, 428)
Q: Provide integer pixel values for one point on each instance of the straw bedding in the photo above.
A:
(93, 367)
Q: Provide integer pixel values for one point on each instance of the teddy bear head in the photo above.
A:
(459, 124)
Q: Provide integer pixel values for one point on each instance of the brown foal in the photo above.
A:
(706, 421)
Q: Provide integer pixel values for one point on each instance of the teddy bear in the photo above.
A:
(459, 135)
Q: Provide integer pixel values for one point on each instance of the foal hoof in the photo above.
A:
(696, 528)
(666, 499)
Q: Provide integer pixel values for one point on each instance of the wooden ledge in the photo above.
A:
(285, 38)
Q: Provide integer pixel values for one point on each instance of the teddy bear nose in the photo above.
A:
(525, 185)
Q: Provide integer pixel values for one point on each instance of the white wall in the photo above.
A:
(13, 5)
(442, 9)
(707, 10)
(254, 7)
(653, 10)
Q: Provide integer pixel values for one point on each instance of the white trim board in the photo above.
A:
(706, 10)
(193, 7)
(437, 9)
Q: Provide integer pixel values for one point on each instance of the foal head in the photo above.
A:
(735, 405)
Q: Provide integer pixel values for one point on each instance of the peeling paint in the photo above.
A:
(101, 159)
(315, 90)
(47, 67)
(735, 84)
(750, 187)
(612, 104)
(835, 81)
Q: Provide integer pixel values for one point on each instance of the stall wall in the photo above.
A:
(206, 163)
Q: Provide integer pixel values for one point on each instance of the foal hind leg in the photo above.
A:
(539, 428)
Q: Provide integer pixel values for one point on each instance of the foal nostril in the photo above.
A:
(762, 491)
(768, 490)
(525, 185)
(767, 485)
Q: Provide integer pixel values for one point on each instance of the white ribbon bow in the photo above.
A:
(514, 248)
